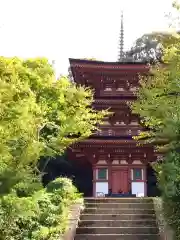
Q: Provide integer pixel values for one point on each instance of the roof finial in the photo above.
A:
(121, 40)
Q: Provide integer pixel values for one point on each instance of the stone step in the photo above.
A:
(117, 230)
(118, 211)
(118, 200)
(118, 223)
(114, 217)
(119, 205)
(117, 237)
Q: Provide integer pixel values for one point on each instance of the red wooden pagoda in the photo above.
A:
(118, 162)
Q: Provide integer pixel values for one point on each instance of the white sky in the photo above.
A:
(59, 29)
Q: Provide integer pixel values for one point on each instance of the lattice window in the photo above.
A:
(137, 174)
(102, 174)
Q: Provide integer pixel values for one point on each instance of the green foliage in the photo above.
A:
(169, 183)
(63, 187)
(39, 117)
(176, 5)
(158, 102)
(158, 105)
(42, 216)
(23, 180)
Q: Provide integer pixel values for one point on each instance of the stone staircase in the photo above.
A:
(118, 219)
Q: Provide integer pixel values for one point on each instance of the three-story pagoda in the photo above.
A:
(118, 162)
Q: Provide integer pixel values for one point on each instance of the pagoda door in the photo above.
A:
(120, 180)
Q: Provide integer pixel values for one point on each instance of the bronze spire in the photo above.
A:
(121, 40)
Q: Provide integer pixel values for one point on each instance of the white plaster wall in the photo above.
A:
(101, 187)
(138, 189)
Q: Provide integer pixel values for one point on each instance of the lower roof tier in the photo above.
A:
(112, 143)
(109, 150)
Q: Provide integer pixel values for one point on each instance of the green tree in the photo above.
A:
(147, 48)
(158, 101)
(158, 105)
(39, 115)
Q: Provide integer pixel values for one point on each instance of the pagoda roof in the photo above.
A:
(112, 143)
(113, 101)
(107, 65)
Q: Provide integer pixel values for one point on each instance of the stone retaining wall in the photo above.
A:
(166, 232)
(74, 216)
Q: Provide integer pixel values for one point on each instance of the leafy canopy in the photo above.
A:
(158, 101)
(158, 105)
(39, 115)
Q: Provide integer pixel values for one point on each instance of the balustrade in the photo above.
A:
(117, 131)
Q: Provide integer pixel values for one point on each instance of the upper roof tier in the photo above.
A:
(118, 77)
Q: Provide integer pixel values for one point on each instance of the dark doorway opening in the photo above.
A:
(80, 172)
(152, 187)
(84, 178)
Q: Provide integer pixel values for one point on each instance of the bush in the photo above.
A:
(42, 216)
(169, 183)
(63, 187)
